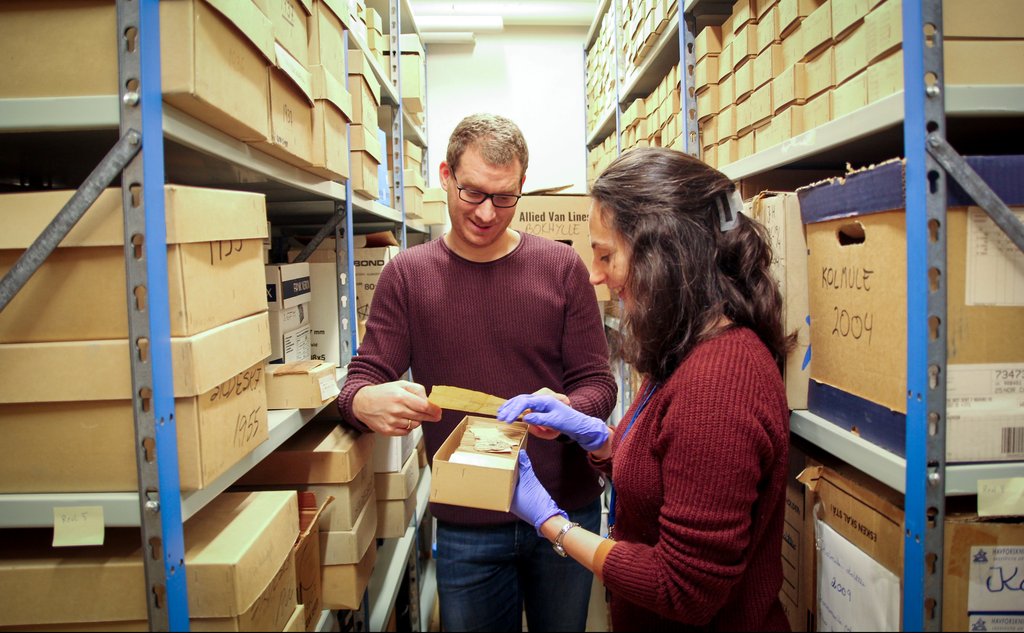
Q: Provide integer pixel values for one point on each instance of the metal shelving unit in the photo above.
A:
(906, 123)
(183, 150)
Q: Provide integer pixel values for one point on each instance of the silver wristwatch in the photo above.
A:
(557, 545)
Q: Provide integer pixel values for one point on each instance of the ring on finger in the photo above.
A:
(408, 425)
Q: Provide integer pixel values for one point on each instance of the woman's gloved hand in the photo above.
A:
(588, 432)
(531, 502)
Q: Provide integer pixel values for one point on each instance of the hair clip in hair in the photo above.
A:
(730, 205)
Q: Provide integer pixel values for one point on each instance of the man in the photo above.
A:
(494, 310)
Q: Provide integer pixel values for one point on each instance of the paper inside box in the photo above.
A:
(466, 473)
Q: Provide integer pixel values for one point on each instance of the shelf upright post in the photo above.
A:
(397, 124)
(350, 263)
(687, 31)
(149, 332)
(925, 491)
(618, 69)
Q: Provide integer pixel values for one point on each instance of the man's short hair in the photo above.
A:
(499, 140)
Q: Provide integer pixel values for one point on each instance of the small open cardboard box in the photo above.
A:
(465, 476)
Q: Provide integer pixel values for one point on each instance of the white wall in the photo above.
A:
(532, 75)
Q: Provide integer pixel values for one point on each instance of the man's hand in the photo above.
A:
(394, 408)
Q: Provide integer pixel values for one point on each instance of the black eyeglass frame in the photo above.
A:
(493, 196)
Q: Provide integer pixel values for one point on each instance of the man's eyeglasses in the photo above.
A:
(472, 196)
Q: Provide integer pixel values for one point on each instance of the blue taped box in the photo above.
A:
(857, 273)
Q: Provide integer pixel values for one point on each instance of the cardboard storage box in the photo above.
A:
(238, 554)
(329, 311)
(365, 90)
(394, 516)
(372, 253)
(327, 38)
(214, 242)
(292, 25)
(284, 329)
(320, 452)
(214, 57)
(391, 452)
(779, 212)
(464, 476)
(413, 69)
(287, 285)
(367, 157)
(308, 586)
(297, 620)
(303, 385)
(344, 585)
(290, 136)
(435, 206)
(869, 516)
(857, 242)
(563, 218)
(332, 112)
(346, 547)
(349, 498)
(86, 431)
(400, 485)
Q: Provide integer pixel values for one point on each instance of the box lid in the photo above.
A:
(327, 87)
(321, 452)
(293, 69)
(251, 21)
(363, 138)
(233, 549)
(435, 194)
(359, 64)
(409, 43)
(882, 188)
(189, 212)
(66, 371)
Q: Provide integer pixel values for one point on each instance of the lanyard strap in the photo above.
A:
(632, 421)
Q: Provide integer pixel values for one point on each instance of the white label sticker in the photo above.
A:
(995, 266)
(328, 388)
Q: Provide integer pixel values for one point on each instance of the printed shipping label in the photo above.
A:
(996, 586)
(985, 412)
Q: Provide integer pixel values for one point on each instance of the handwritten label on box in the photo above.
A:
(74, 526)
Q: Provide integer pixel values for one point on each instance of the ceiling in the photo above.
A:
(493, 15)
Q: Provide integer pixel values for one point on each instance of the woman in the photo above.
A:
(700, 460)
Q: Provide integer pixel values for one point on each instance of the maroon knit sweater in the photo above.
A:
(700, 487)
(511, 326)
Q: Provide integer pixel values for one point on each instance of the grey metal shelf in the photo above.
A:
(328, 621)
(121, 509)
(388, 572)
(408, 18)
(662, 57)
(605, 127)
(874, 119)
(428, 593)
(595, 26)
(886, 467)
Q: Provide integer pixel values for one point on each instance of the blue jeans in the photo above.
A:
(485, 575)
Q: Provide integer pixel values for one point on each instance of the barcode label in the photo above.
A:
(1013, 440)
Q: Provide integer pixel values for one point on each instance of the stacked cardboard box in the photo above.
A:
(654, 120)
(788, 67)
(779, 212)
(367, 157)
(563, 218)
(329, 312)
(372, 253)
(288, 297)
(435, 206)
(600, 73)
(396, 496)
(329, 461)
(857, 246)
(641, 24)
(412, 67)
(68, 327)
(238, 553)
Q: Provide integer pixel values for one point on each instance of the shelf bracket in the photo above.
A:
(955, 165)
(108, 169)
(327, 229)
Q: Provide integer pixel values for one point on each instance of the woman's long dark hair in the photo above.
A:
(685, 272)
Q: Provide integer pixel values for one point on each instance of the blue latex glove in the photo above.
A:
(531, 502)
(588, 432)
